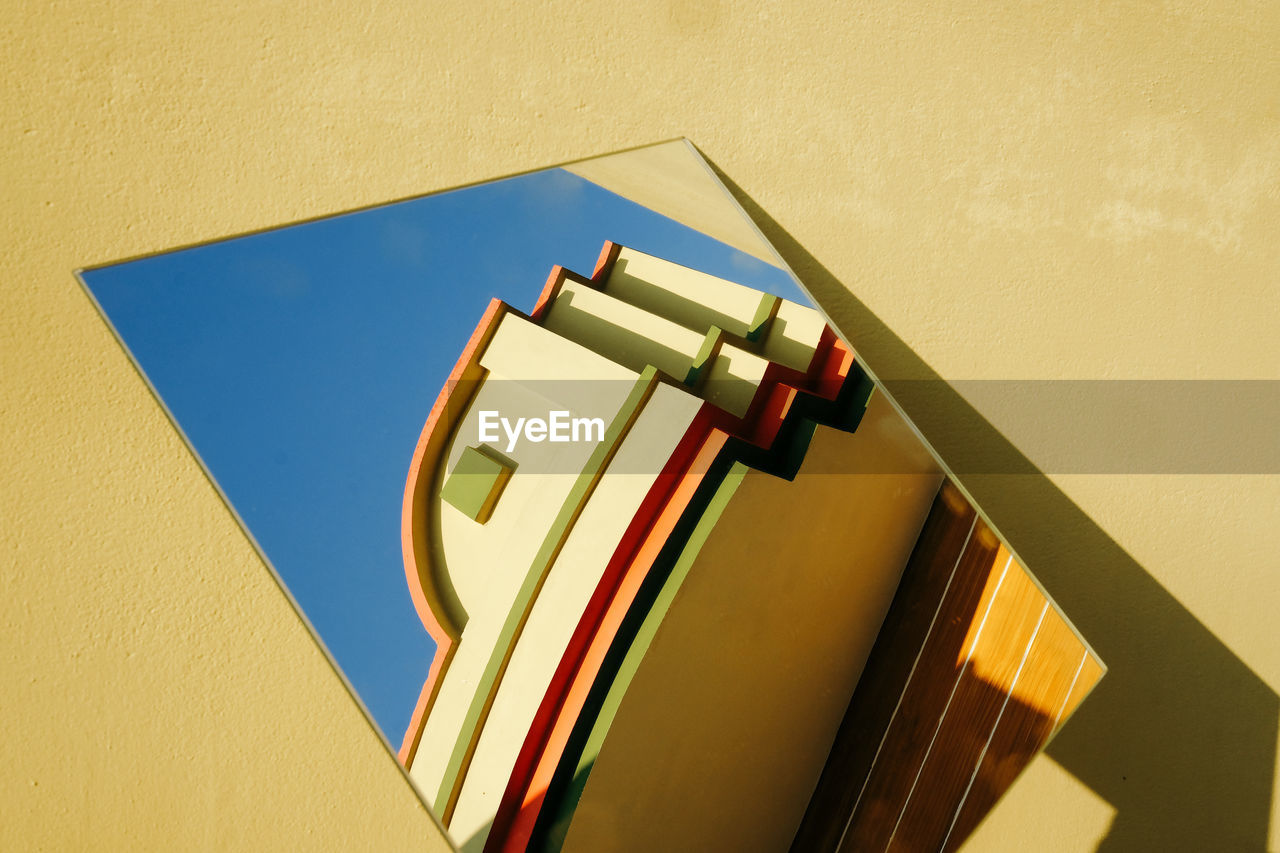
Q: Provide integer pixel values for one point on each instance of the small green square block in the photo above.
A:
(475, 483)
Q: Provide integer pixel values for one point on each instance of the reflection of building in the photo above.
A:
(754, 612)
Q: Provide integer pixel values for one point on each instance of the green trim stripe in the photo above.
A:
(583, 487)
(706, 354)
(476, 482)
(782, 459)
(765, 312)
(566, 803)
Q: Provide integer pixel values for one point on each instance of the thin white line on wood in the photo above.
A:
(907, 684)
(1070, 690)
(1008, 694)
(947, 707)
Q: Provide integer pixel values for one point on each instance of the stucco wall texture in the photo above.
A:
(985, 190)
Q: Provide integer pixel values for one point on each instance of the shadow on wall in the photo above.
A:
(1180, 736)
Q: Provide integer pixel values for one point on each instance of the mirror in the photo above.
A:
(609, 530)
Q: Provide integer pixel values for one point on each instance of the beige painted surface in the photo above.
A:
(622, 332)
(1015, 190)
(793, 334)
(560, 603)
(484, 561)
(532, 372)
(733, 378)
(493, 563)
(688, 297)
(726, 725)
(699, 301)
(527, 352)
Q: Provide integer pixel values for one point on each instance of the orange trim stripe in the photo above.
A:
(577, 673)
(604, 264)
(417, 485)
(566, 696)
(826, 372)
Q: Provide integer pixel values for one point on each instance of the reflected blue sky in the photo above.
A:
(302, 363)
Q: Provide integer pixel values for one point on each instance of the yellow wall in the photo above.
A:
(1015, 190)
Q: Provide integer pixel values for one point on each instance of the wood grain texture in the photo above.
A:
(1052, 672)
(972, 673)
(1000, 637)
(929, 573)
